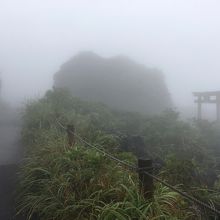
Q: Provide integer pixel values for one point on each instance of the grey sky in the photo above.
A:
(182, 38)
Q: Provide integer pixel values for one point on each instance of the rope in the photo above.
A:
(60, 124)
(100, 150)
(135, 168)
(185, 195)
(132, 167)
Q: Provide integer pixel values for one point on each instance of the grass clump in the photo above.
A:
(79, 183)
(62, 183)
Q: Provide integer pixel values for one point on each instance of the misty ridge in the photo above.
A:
(118, 82)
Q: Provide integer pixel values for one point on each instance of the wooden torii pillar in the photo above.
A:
(208, 98)
(0, 87)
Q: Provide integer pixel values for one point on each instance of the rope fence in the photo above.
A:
(145, 171)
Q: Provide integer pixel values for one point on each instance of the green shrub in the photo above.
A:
(62, 183)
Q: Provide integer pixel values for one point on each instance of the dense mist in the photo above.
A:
(109, 109)
(179, 38)
(118, 82)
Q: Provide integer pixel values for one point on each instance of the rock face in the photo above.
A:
(118, 82)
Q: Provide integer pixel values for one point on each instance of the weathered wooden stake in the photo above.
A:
(70, 132)
(217, 112)
(146, 182)
(199, 111)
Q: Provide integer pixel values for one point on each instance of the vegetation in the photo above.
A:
(60, 182)
(118, 82)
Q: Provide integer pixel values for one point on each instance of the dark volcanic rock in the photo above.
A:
(118, 82)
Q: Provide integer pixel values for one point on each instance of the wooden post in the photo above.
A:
(199, 108)
(217, 112)
(218, 108)
(70, 132)
(146, 182)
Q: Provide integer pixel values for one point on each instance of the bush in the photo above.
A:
(59, 182)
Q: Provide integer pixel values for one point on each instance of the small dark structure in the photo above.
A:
(208, 98)
(134, 144)
(70, 133)
(146, 181)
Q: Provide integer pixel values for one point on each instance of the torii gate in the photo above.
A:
(210, 98)
(0, 87)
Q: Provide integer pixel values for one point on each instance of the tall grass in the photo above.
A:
(62, 183)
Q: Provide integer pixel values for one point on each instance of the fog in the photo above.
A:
(132, 56)
(181, 38)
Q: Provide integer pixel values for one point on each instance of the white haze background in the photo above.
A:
(182, 38)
